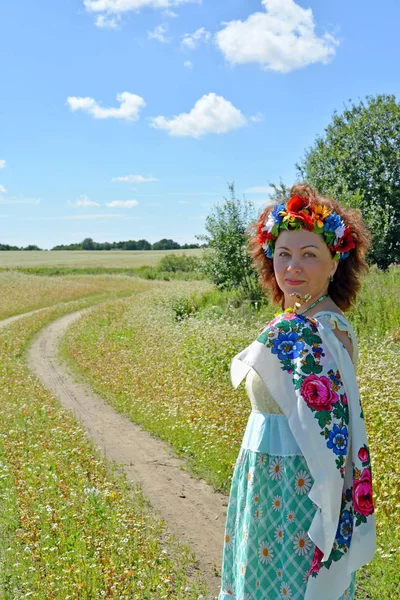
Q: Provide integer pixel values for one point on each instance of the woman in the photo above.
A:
(300, 517)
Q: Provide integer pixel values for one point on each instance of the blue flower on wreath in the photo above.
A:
(275, 213)
(345, 529)
(338, 439)
(287, 346)
(332, 222)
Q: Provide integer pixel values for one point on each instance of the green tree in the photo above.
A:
(357, 161)
(226, 261)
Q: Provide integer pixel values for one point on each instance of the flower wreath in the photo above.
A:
(296, 214)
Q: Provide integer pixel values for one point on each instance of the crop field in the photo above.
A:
(165, 362)
(80, 259)
(70, 526)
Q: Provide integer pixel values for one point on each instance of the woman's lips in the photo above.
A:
(294, 281)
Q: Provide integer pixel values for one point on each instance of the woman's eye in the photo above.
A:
(310, 254)
(283, 253)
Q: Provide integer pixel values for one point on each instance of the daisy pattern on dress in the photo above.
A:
(291, 516)
(302, 482)
(245, 533)
(261, 459)
(258, 513)
(279, 573)
(301, 543)
(277, 503)
(250, 474)
(265, 553)
(306, 576)
(256, 498)
(228, 538)
(279, 534)
(229, 590)
(286, 592)
(276, 468)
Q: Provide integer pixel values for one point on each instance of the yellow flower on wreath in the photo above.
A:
(320, 213)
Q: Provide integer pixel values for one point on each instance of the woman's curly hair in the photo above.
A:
(346, 283)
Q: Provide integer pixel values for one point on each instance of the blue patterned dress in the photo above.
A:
(267, 553)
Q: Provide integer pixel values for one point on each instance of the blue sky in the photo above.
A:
(125, 119)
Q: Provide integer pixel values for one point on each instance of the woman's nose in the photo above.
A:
(294, 265)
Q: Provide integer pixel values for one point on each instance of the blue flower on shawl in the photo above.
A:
(337, 439)
(345, 529)
(287, 346)
(332, 222)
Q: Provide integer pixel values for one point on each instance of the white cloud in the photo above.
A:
(130, 105)
(158, 34)
(170, 14)
(2, 164)
(257, 118)
(108, 22)
(190, 40)
(210, 114)
(267, 189)
(188, 64)
(122, 6)
(83, 202)
(281, 39)
(123, 203)
(134, 179)
(2, 189)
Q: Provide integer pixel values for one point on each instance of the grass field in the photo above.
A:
(79, 259)
(70, 527)
(172, 376)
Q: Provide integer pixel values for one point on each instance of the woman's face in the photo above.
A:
(303, 264)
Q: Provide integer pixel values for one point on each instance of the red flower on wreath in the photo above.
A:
(296, 204)
(346, 242)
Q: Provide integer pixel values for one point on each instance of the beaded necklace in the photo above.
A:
(297, 305)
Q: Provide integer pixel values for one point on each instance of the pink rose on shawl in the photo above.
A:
(317, 393)
(363, 455)
(362, 494)
(316, 561)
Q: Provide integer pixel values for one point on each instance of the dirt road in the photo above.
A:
(191, 509)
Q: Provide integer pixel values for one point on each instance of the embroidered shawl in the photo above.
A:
(310, 375)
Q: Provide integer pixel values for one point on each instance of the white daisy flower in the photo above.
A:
(228, 538)
(279, 534)
(301, 543)
(250, 475)
(279, 573)
(228, 589)
(291, 516)
(258, 583)
(261, 459)
(243, 569)
(286, 592)
(302, 482)
(265, 553)
(245, 533)
(306, 576)
(258, 513)
(277, 503)
(276, 468)
(256, 498)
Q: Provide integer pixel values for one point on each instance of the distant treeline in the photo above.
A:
(89, 244)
